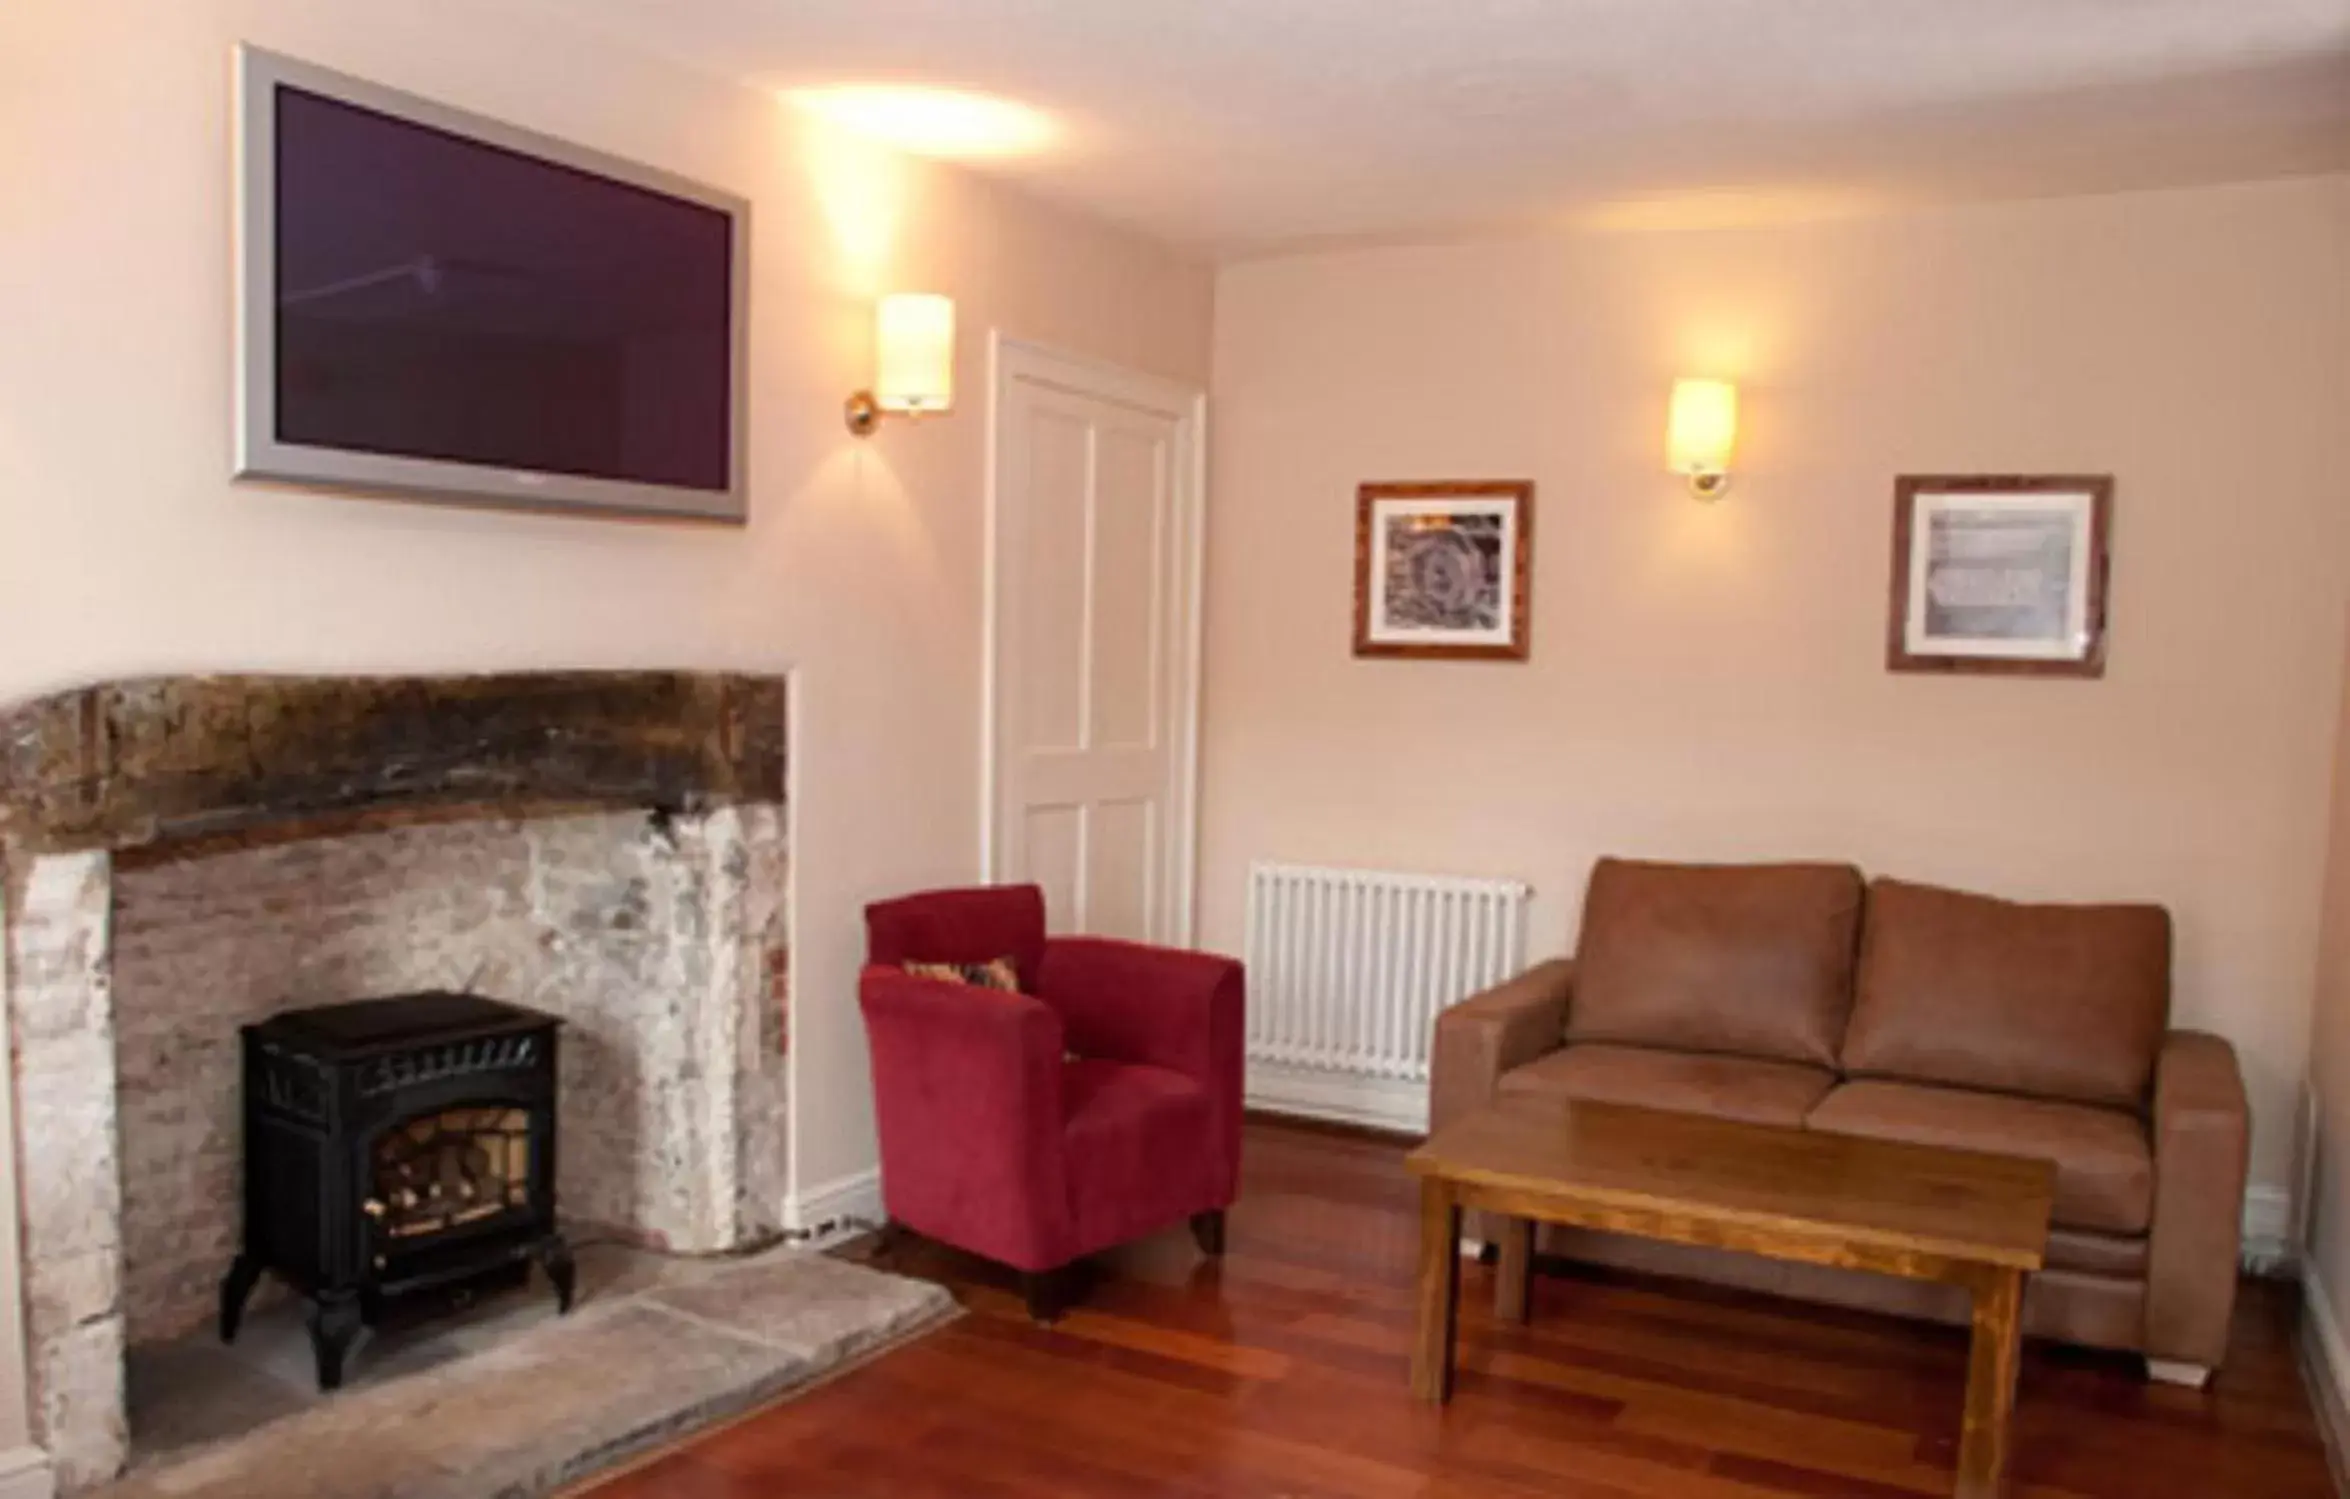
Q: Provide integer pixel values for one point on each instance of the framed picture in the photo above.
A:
(2000, 574)
(1440, 569)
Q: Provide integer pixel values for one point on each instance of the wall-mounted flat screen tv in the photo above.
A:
(439, 305)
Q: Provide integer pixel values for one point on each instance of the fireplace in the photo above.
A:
(395, 1147)
(184, 857)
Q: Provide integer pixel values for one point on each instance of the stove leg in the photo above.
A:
(236, 1287)
(334, 1321)
(555, 1258)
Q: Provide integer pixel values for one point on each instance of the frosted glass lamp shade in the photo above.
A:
(914, 353)
(1700, 433)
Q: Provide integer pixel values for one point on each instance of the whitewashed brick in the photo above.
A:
(78, 1398)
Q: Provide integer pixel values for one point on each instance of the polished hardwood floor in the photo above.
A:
(1281, 1371)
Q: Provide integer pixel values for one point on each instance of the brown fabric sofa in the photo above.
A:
(1787, 994)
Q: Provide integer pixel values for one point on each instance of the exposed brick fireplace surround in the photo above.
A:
(187, 855)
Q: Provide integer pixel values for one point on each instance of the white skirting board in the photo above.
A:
(2268, 1233)
(834, 1210)
(1384, 1103)
(24, 1474)
(2326, 1360)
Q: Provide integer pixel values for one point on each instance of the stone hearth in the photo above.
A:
(184, 856)
(517, 1401)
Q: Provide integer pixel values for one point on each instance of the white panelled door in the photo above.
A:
(1093, 601)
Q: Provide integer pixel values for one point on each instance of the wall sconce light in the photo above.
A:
(913, 360)
(1700, 433)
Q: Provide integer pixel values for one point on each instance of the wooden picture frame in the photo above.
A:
(1442, 570)
(2004, 574)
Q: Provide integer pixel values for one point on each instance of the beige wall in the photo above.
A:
(2327, 1216)
(124, 548)
(1707, 682)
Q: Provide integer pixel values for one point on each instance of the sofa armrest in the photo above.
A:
(2201, 1134)
(967, 1097)
(1488, 1034)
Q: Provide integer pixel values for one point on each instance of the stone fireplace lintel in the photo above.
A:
(126, 764)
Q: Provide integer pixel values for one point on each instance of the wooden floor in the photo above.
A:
(1281, 1372)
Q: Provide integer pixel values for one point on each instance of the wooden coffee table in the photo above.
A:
(1978, 1221)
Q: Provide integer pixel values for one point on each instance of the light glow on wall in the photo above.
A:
(952, 124)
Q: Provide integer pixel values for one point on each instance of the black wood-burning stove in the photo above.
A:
(395, 1146)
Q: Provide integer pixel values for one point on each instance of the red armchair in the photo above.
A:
(1099, 1104)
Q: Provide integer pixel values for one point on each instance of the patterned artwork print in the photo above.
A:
(1444, 572)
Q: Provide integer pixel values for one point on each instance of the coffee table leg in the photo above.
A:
(1990, 1384)
(1513, 1277)
(1440, 1279)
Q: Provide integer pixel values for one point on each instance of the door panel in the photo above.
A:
(1120, 851)
(1123, 683)
(1051, 846)
(1051, 600)
(1094, 543)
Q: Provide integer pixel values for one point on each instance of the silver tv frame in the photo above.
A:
(259, 453)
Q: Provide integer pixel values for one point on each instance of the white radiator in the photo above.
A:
(1347, 970)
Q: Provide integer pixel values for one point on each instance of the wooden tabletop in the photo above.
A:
(1959, 1204)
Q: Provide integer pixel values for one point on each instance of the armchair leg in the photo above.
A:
(1208, 1230)
(1048, 1293)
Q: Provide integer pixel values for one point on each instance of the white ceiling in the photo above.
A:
(1238, 126)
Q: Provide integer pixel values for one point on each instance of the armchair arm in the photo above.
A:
(2201, 1133)
(1164, 1007)
(1487, 1034)
(967, 1095)
(1126, 1002)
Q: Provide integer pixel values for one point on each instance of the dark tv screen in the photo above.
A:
(438, 297)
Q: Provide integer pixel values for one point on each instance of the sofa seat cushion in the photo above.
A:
(1133, 1136)
(2062, 1002)
(2085, 1252)
(1686, 1082)
(2104, 1169)
(1751, 959)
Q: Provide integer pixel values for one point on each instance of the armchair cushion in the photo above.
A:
(996, 973)
(1136, 1162)
(1164, 1008)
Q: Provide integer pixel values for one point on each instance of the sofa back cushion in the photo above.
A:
(2062, 1002)
(1750, 959)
